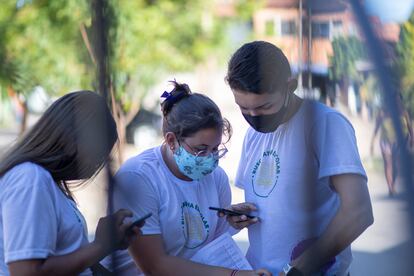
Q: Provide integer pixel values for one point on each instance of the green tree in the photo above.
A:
(150, 38)
(39, 46)
(48, 43)
(346, 51)
(405, 60)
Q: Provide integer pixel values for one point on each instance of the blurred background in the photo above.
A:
(46, 50)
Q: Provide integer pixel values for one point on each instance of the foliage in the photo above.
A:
(246, 8)
(153, 37)
(346, 51)
(38, 42)
(405, 53)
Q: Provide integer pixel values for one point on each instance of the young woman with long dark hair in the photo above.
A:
(41, 230)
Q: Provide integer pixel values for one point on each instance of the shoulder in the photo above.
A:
(322, 115)
(27, 175)
(141, 163)
(141, 170)
(27, 170)
(220, 177)
(220, 173)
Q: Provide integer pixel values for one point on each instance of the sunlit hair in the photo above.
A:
(185, 113)
(72, 139)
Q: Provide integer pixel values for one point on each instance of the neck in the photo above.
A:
(168, 158)
(293, 107)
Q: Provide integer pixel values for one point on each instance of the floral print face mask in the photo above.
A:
(192, 166)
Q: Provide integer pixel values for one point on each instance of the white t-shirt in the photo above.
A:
(37, 220)
(279, 170)
(179, 208)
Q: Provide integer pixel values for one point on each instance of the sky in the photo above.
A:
(390, 10)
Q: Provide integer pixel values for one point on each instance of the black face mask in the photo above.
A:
(269, 122)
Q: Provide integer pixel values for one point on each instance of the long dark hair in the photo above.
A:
(72, 139)
(185, 113)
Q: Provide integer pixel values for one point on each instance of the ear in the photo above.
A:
(292, 84)
(171, 140)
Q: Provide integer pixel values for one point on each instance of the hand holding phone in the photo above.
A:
(230, 212)
(139, 223)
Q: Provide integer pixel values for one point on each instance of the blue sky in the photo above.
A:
(390, 10)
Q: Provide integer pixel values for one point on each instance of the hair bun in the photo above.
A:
(180, 91)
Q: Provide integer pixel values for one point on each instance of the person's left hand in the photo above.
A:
(240, 222)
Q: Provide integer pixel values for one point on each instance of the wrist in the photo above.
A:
(99, 249)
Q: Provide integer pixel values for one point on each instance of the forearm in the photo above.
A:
(186, 267)
(345, 227)
(69, 264)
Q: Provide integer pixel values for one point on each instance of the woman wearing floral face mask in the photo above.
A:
(177, 182)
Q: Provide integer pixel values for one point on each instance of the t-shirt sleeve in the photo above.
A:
(335, 146)
(241, 170)
(30, 221)
(134, 191)
(225, 201)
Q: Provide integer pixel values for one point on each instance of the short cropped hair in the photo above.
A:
(258, 67)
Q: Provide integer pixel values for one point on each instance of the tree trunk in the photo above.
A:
(25, 113)
(343, 86)
(119, 120)
(122, 122)
(121, 136)
(21, 105)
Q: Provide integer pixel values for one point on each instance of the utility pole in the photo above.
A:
(300, 84)
(309, 14)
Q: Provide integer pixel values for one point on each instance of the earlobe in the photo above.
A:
(170, 140)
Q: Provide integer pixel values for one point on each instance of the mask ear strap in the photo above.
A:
(287, 100)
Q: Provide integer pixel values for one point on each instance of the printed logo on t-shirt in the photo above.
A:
(195, 226)
(265, 173)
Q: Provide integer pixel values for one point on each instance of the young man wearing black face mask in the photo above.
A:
(300, 170)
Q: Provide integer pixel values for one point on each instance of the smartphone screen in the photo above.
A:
(230, 212)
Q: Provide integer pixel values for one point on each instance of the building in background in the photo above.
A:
(308, 46)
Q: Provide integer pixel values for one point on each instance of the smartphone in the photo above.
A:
(230, 212)
(138, 222)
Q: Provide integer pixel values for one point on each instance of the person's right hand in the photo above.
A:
(239, 222)
(111, 232)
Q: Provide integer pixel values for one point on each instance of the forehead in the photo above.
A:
(208, 136)
(251, 100)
